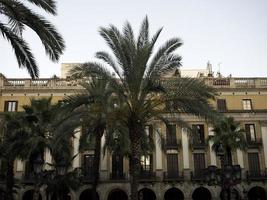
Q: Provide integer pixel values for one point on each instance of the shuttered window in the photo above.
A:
(221, 105)
(172, 164)
(11, 106)
(88, 165)
(117, 165)
(198, 134)
(171, 134)
(199, 162)
(254, 163)
(250, 132)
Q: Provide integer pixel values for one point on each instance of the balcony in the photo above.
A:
(172, 143)
(198, 176)
(173, 176)
(147, 176)
(198, 144)
(117, 176)
(257, 175)
(257, 143)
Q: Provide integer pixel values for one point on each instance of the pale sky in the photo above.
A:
(230, 32)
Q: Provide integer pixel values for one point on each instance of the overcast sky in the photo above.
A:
(230, 32)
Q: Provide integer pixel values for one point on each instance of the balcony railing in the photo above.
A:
(198, 175)
(172, 143)
(117, 176)
(146, 175)
(256, 175)
(198, 144)
(254, 143)
(173, 176)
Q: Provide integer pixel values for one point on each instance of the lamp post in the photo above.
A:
(227, 176)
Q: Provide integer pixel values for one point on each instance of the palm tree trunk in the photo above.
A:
(229, 156)
(98, 136)
(10, 179)
(134, 161)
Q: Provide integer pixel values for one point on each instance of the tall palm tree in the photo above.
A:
(229, 136)
(19, 16)
(96, 103)
(136, 78)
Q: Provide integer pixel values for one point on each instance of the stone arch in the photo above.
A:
(201, 193)
(87, 194)
(257, 193)
(173, 194)
(116, 194)
(146, 194)
(28, 195)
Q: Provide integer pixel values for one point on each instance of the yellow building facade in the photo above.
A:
(172, 171)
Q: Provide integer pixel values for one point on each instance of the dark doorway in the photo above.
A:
(117, 194)
(257, 193)
(201, 193)
(29, 195)
(173, 194)
(87, 194)
(146, 194)
(64, 196)
(234, 195)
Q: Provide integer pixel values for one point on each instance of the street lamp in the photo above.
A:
(227, 176)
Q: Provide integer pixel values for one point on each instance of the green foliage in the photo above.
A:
(18, 17)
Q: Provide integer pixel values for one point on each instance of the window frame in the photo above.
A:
(245, 104)
(14, 108)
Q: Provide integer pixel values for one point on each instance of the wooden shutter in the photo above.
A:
(199, 161)
(221, 105)
(88, 164)
(117, 165)
(172, 163)
(254, 163)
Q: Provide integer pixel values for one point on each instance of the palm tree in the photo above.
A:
(229, 136)
(96, 103)
(136, 78)
(14, 135)
(19, 16)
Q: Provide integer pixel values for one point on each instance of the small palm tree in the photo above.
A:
(137, 80)
(13, 138)
(19, 16)
(229, 136)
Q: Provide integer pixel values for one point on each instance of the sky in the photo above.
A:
(231, 34)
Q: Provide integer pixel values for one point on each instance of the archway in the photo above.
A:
(28, 195)
(173, 194)
(257, 193)
(146, 194)
(234, 195)
(87, 194)
(117, 194)
(64, 196)
(201, 193)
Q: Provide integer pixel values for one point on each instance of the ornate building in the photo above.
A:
(172, 172)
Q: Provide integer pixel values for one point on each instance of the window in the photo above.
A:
(146, 163)
(172, 164)
(247, 104)
(221, 105)
(198, 134)
(199, 162)
(171, 134)
(254, 163)
(88, 165)
(117, 166)
(11, 106)
(250, 132)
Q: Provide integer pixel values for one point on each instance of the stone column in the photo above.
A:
(48, 159)
(103, 160)
(264, 140)
(185, 147)
(212, 153)
(240, 159)
(76, 143)
(158, 148)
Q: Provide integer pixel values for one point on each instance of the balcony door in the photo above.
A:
(117, 166)
(199, 163)
(88, 165)
(254, 164)
(172, 165)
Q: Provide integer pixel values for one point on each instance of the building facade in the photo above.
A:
(172, 172)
